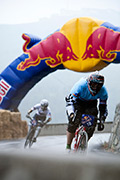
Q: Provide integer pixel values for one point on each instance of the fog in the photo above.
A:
(57, 85)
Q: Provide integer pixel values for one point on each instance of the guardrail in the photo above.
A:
(60, 129)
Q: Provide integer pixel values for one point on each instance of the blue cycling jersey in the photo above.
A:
(80, 90)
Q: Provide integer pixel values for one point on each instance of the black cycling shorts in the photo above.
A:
(83, 107)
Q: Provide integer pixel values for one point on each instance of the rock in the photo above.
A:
(114, 140)
(11, 125)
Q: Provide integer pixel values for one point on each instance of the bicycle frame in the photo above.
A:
(29, 138)
(31, 133)
(81, 136)
(81, 139)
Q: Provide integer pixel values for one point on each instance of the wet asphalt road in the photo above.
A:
(51, 144)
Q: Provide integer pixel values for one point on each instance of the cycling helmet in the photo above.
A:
(44, 104)
(95, 82)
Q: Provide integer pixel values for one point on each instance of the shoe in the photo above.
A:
(34, 140)
(68, 150)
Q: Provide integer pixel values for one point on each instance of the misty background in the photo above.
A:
(57, 85)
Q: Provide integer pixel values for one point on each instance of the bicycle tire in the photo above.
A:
(26, 142)
(29, 140)
(83, 141)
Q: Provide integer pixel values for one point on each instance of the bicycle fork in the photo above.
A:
(78, 137)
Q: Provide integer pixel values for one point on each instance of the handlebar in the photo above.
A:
(75, 113)
(100, 124)
(28, 116)
(39, 123)
(99, 121)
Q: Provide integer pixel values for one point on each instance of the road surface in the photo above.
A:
(52, 144)
(48, 159)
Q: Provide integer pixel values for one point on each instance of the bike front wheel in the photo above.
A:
(29, 138)
(81, 142)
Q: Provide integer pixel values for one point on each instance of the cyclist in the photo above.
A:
(83, 99)
(41, 117)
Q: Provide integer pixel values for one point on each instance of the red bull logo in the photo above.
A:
(103, 44)
(55, 50)
(4, 88)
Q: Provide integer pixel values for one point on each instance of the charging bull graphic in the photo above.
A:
(103, 44)
(82, 44)
(62, 52)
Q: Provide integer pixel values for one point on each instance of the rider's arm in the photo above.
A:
(103, 114)
(75, 94)
(48, 117)
(47, 120)
(30, 111)
(103, 104)
(70, 104)
(70, 100)
(103, 109)
(34, 108)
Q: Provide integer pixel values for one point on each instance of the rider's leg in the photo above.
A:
(71, 133)
(37, 132)
(70, 137)
(72, 126)
(90, 132)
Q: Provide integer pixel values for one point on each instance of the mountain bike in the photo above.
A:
(30, 136)
(81, 136)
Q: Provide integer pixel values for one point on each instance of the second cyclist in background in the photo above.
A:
(41, 117)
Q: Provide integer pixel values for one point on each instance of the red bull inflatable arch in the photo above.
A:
(82, 44)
